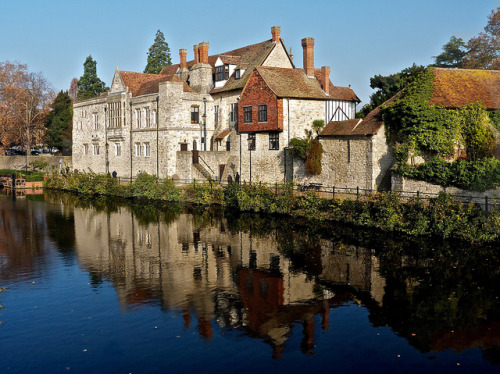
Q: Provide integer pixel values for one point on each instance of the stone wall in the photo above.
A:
(406, 185)
(278, 58)
(268, 166)
(19, 162)
(209, 160)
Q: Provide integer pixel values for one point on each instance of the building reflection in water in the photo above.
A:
(235, 279)
(266, 282)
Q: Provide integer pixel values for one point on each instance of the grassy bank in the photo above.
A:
(30, 176)
(443, 217)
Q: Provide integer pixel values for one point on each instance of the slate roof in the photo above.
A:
(455, 88)
(292, 83)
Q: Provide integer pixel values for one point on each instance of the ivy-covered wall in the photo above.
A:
(457, 145)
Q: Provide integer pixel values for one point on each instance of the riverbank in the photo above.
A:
(442, 217)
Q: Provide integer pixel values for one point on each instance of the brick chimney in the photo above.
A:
(203, 51)
(308, 49)
(196, 54)
(183, 55)
(275, 31)
(324, 79)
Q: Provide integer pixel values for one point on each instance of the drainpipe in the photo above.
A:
(106, 145)
(157, 129)
(205, 123)
(131, 162)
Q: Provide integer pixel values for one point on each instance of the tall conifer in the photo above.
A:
(158, 55)
(89, 84)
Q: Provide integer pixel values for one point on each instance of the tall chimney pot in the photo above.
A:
(308, 52)
(275, 31)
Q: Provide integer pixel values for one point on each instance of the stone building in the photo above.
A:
(356, 154)
(189, 122)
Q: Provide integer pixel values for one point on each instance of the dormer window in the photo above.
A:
(222, 73)
(237, 74)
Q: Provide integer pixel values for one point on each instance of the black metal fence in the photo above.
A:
(485, 202)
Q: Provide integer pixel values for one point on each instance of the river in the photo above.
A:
(108, 286)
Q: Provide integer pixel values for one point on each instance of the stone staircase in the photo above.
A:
(203, 171)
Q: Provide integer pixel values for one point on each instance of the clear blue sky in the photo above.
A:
(356, 38)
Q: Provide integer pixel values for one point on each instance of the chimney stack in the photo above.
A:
(275, 31)
(183, 55)
(196, 54)
(203, 51)
(308, 49)
(324, 79)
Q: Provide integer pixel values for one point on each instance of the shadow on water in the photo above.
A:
(264, 275)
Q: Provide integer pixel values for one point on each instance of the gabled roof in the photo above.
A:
(153, 86)
(337, 92)
(354, 127)
(454, 88)
(134, 80)
(144, 84)
(250, 57)
(370, 125)
(292, 83)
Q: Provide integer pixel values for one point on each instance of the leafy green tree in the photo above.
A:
(484, 50)
(158, 55)
(389, 85)
(89, 84)
(59, 123)
(453, 54)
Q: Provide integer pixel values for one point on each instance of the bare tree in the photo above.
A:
(73, 89)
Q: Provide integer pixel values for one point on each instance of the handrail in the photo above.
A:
(201, 158)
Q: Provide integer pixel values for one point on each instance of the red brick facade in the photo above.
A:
(256, 93)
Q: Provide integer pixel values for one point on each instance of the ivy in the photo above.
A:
(416, 128)
(309, 150)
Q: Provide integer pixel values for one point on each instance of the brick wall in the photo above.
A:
(257, 92)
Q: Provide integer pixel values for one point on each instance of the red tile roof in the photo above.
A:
(455, 88)
(250, 57)
(134, 80)
(292, 83)
(337, 92)
(144, 84)
(370, 125)
(222, 135)
(153, 86)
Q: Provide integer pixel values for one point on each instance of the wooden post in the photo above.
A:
(333, 192)
(357, 192)
(486, 203)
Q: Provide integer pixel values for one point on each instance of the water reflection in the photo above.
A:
(263, 276)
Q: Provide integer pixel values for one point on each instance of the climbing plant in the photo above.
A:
(416, 128)
(309, 149)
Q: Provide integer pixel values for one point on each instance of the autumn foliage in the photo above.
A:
(24, 104)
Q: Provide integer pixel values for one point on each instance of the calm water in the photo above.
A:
(96, 286)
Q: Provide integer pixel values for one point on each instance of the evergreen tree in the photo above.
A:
(59, 123)
(452, 55)
(89, 84)
(158, 55)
